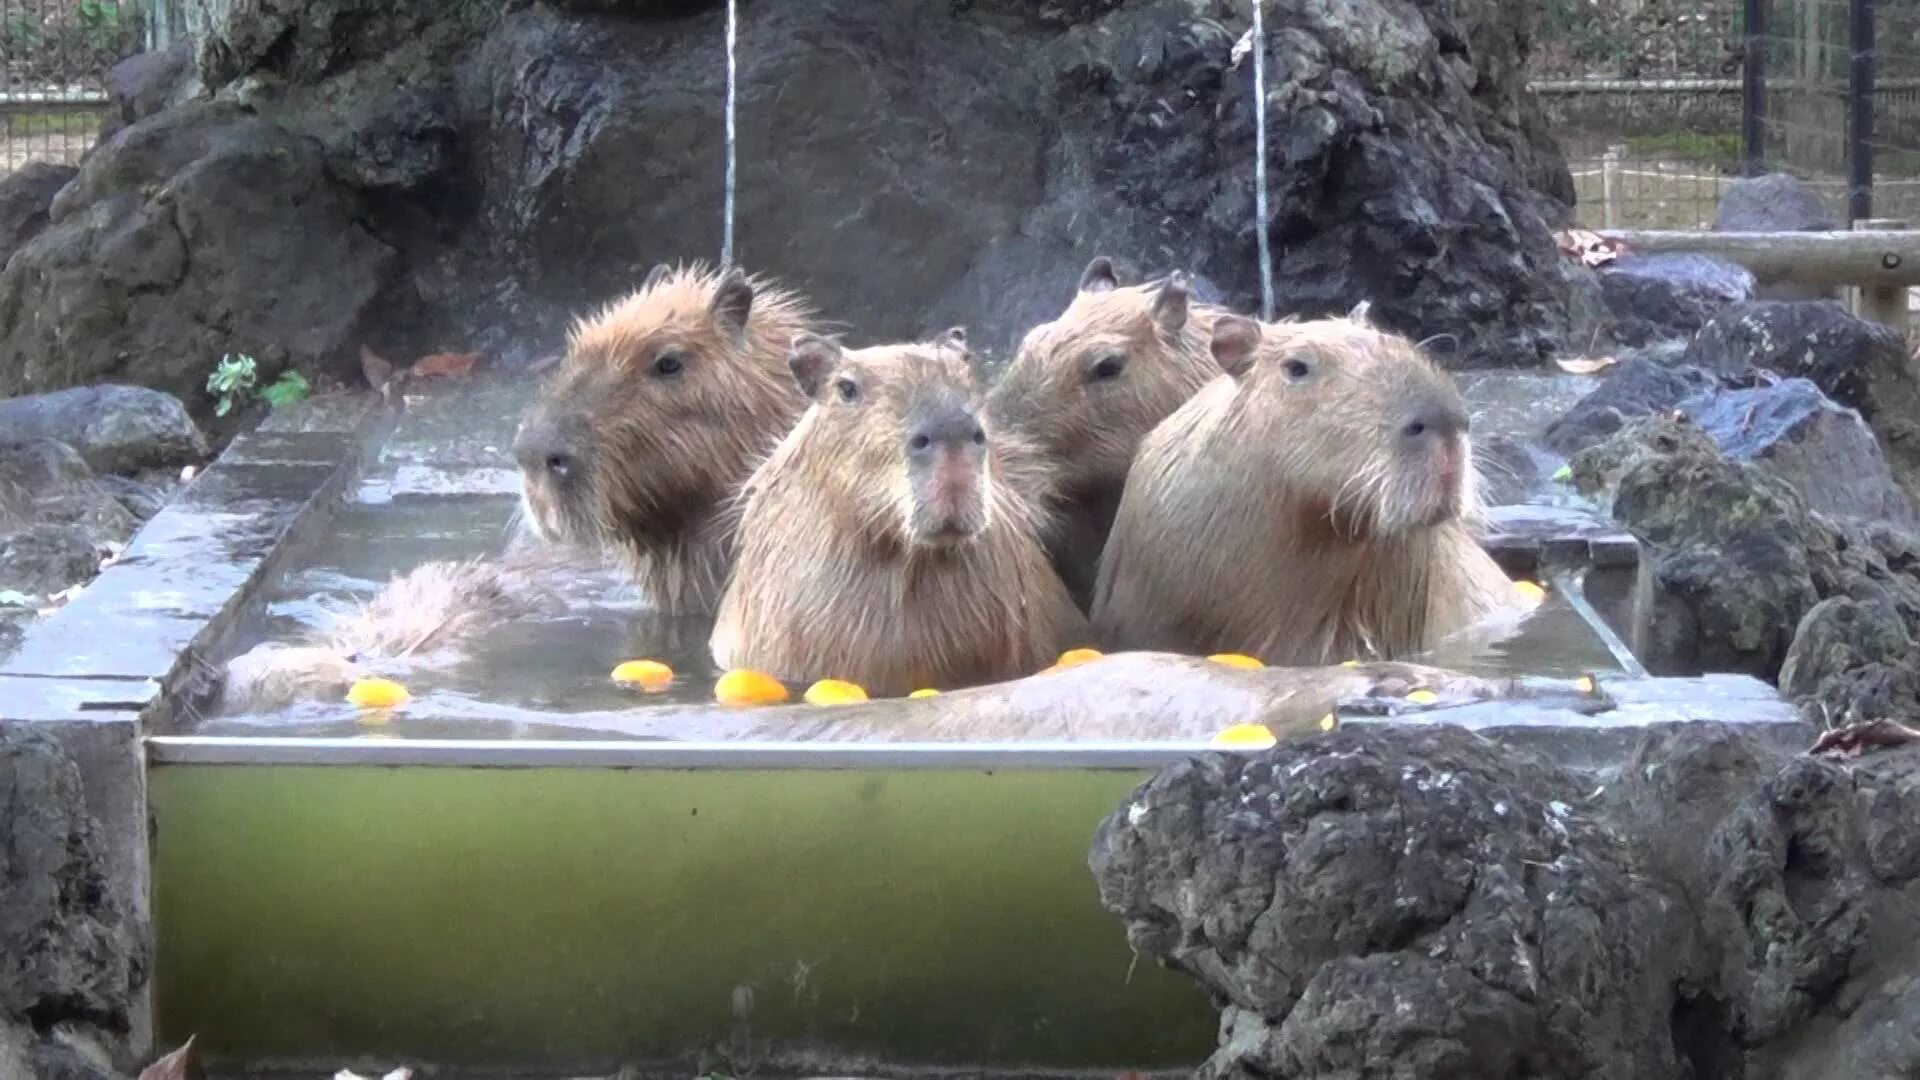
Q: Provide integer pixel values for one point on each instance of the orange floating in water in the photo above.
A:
(1328, 723)
(378, 694)
(924, 693)
(1529, 592)
(1234, 659)
(834, 692)
(648, 675)
(1349, 663)
(1246, 737)
(1423, 697)
(1585, 684)
(745, 687)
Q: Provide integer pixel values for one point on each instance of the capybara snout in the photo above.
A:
(946, 462)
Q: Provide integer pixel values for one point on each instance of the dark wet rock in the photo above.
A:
(67, 952)
(1840, 633)
(26, 195)
(141, 500)
(1825, 451)
(1729, 544)
(46, 481)
(1861, 365)
(1776, 202)
(43, 559)
(400, 140)
(1409, 903)
(1510, 470)
(145, 83)
(1423, 902)
(116, 429)
(1669, 296)
(201, 231)
(1632, 388)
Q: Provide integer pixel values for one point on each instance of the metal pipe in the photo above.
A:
(1753, 90)
(1860, 111)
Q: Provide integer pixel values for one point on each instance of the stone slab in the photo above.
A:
(1525, 537)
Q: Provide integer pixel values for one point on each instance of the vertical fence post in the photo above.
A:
(1610, 186)
(1860, 110)
(1753, 90)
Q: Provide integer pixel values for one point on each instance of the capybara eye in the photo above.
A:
(1109, 366)
(1296, 369)
(669, 363)
(1414, 430)
(979, 436)
(920, 442)
(849, 393)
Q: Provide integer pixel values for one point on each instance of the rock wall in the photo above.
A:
(423, 175)
(1428, 903)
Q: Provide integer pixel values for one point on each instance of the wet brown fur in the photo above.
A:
(420, 619)
(828, 581)
(1274, 516)
(662, 455)
(1085, 427)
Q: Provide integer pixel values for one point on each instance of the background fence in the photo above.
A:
(1659, 103)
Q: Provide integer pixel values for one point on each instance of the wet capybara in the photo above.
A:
(661, 407)
(1315, 503)
(418, 620)
(1084, 389)
(880, 542)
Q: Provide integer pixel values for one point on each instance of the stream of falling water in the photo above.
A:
(1260, 160)
(726, 223)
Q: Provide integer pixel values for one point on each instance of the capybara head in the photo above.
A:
(896, 437)
(1085, 388)
(662, 405)
(1364, 429)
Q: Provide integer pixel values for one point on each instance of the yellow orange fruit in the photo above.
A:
(1074, 658)
(747, 687)
(1528, 592)
(648, 675)
(378, 694)
(834, 692)
(924, 693)
(1423, 697)
(1246, 737)
(1328, 723)
(1234, 659)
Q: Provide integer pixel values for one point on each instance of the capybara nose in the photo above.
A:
(1438, 423)
(948, 429)
(539, 453)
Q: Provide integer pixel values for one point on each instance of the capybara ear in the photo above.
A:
(656, 275)
(731, 303)
(811, 359)
(1235, 340)
(1170, 305)
(1361, 313)
(1099, 276)
(953, 337)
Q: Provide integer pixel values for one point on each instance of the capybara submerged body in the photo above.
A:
(880, 544)
(419, 620)
(1316, 503)
(663, 404)
(1086, 388)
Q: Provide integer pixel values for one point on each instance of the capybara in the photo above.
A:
(1084, 389)
(1313, 504)
(880, 542)
(661, 407)
(418, 620)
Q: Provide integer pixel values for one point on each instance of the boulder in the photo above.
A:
(1838, 635)
(26, 195)
(145, 83)
(1632, 388)
(1733, 549)
(115, 429)
(197, 232)
(68, 954)
(1776, 202)
(1824, 451)
(1861, 365)
(42, 559)
(1667, 296)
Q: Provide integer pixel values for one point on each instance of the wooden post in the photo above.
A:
(1610, 185)
(1879, 258)
(1879, 303)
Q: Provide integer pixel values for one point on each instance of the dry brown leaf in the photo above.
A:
(1585, 365)
(173, 1066)
(445, 365)
(1588, 246)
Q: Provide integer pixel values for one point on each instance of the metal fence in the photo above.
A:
(1660, 105)
(55, 55)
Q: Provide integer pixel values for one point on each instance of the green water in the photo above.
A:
(575, 919)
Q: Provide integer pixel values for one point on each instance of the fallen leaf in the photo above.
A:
(378, 369)
(1585, 365)
(1588, 246)
(446, 364)
(173, 1066)
(1855, 739)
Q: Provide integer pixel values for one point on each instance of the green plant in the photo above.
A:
(233, 382)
